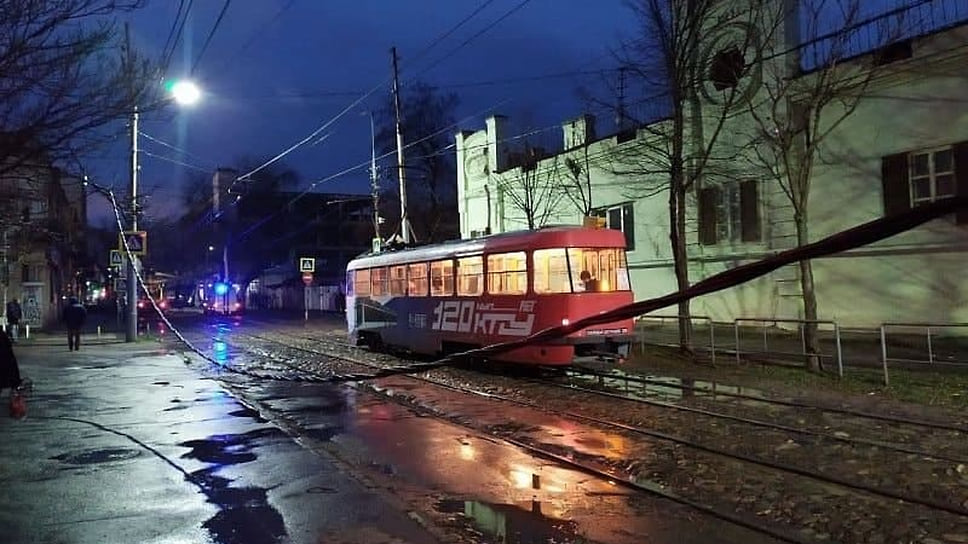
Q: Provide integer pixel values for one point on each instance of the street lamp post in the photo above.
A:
(186, 94)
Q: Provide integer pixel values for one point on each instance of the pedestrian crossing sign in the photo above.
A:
(307, 264)
(116, 258)
(136, 241)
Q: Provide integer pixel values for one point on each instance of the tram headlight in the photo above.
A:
(565, 322)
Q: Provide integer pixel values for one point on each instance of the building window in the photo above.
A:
(620, 217)
(25, 273)
(398, 280)
(727, 68)
(912, 178)
(507, 273)
(417, 280)
(442, 278)
(931, 175)
(729, 213)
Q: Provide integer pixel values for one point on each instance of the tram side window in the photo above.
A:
(507, 273)
(470, 276)
(417, 280)
(362, 283)
(398, 280)
(551, 271)
(378, 281)
(442, 278)
(350, 287)
(598, 270)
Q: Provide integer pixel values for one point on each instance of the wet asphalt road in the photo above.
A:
(450, 473)
(124, 443)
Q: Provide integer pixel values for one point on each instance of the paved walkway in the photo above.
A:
(125, 443)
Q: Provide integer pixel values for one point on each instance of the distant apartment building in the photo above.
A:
(904, 142)
(43, 217)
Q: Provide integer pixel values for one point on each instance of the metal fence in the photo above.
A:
(918, 344)
(911, 345)
(661, 337)
(783, 342)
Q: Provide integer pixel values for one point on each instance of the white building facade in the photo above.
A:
(905, 142)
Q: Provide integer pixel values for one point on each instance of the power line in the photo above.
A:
(453, 29)
(211, 34)
(174, 26)
(474, 36)
(359, 166)
(174, 161)
(178, 34)
(172, 147)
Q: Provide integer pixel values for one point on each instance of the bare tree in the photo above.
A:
(798, 110)
(534, 191)
(428, 120)
(577, 184)
(702, 56)
(61, 79)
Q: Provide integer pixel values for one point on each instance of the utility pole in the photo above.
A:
(131, 332)
(374, 181)
(401, 168)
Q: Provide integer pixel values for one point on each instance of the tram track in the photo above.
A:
(613, 391)
(611, 476)
(651, 434)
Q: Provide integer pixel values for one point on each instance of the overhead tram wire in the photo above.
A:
(211, 34)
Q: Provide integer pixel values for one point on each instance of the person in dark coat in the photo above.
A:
(74, 317)
(14, 315)
(9, 369)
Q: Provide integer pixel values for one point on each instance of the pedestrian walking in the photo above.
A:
(74, 317)
(14, 315)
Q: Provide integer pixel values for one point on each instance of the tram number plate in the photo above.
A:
(469, 316)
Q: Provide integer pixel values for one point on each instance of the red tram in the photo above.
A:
(464, 294)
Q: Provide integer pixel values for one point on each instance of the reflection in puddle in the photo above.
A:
(510, 524)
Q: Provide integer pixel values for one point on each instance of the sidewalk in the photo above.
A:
(124, 443)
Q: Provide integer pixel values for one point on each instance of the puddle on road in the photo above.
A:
(245, 514)
(511, 524)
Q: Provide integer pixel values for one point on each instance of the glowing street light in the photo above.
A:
(185, 92)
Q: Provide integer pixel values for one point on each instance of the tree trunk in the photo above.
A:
(677, 224)
(811, 341)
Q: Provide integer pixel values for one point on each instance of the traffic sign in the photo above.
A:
(120, 285)
(116, 258)
(307, 278)
(137, 241)
(307, 264)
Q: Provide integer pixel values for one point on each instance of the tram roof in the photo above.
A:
(544, 238)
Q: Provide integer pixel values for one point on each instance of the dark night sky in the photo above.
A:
(277, 69)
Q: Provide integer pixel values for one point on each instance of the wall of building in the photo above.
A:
(910, 105)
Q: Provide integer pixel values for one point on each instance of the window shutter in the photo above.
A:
(628, 226)
(961, 179)
(708, 198)
(749, 202)
(894, 178)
